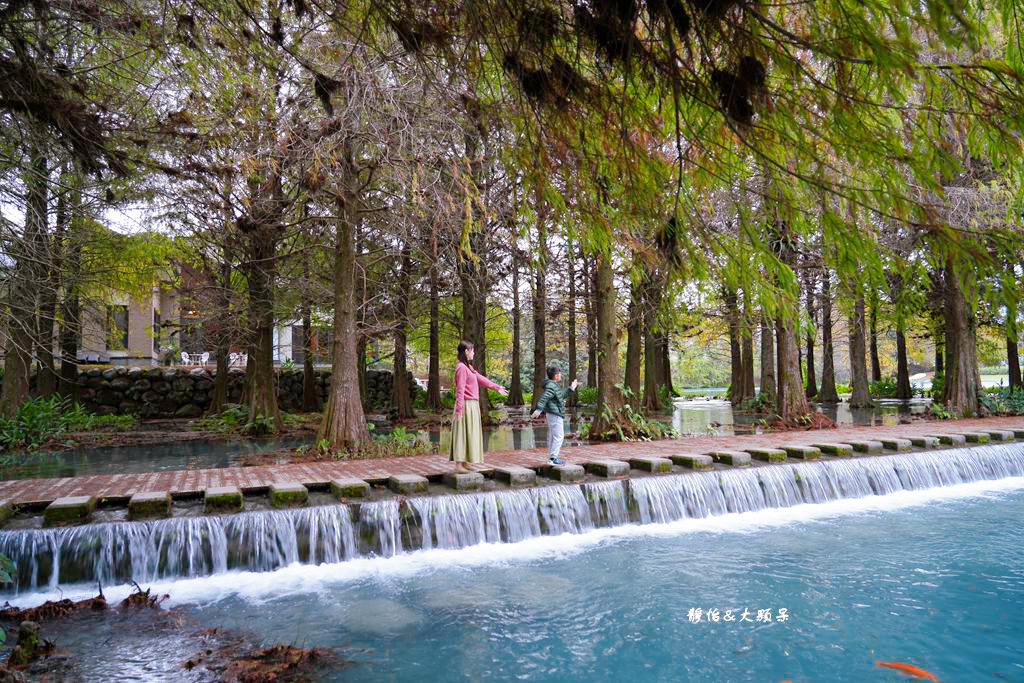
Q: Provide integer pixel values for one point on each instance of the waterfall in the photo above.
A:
(191, 546)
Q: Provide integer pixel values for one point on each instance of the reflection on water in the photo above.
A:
(709, 417)
(689, 417)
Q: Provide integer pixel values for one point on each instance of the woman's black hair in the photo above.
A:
(463, 345)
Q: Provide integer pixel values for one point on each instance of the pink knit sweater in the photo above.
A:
(467, 385)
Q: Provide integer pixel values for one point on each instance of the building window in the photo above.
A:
(322, 344)
(117, 328)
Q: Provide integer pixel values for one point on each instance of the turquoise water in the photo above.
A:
(932, 577)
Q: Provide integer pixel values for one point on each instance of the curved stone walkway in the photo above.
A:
(120, 487)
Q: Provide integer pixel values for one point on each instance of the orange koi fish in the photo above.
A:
(909, 670)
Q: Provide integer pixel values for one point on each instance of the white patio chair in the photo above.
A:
(185, 360)
(204, 358)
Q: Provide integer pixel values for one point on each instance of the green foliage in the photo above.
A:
(844, 389)
(288, 364)
(586, 395)
(993, 370)
(230, 419)
(40, 420)
(939, 412)
(938, 386)
(883, 388)
(1002, 401)
(261, 424)
(627, 425)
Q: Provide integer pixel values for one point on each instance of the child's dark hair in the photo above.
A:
(463, 345)
(552, 371)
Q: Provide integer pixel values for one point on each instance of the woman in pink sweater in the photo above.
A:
(467, 425)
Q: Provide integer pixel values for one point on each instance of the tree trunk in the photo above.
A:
(220, 380)
(473, 271)
(344, 423)
(1013, 361)
(791, 401)
(540, 298)
(262, 389)
(590, 310)
(828, 392)
(24, 287)
(904, 391)
(609, 398)
(573, 369)
(515, 392)
(735, 357)
(963, 383)
(767, 363)
(434, 363)
(47, 379)
(666, 365)
(876, 366)
(69, 318)
(861, 397)
(812, 382)
(634, 337)
(652, 362)
(400, 398)
(940, 348)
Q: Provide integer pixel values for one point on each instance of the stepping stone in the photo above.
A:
(223, 499)
(951, 439)
(607, 468)
(924, 441)
(288, 494)
(649, 463)
(565, 473)
(732, 458)
(149, 505)
(976, 437)
(463, 481)
(407, 483)
(867, 447)
(6, 511)
(803, 452)
(767, 454)
(839, 450)
(69, 510)
(897, 445)
(693, 461)
(1000, 435)
(350, 488)
(1018, 433)
(514, 475)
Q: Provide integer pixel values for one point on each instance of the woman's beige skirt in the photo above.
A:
(468, 434)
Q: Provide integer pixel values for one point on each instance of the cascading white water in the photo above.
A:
(264, 541)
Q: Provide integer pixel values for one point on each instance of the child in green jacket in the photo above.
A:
(552, 404)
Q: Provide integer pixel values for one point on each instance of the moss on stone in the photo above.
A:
(767, 454)
(69, 510)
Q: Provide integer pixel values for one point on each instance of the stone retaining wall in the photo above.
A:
(186, 392)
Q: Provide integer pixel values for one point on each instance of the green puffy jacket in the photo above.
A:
(553, 399)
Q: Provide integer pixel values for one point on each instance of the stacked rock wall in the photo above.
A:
(186, 392)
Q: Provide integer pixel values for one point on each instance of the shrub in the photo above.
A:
(883, 388)
(587, 395)
(938, 386)
(1002, 401)
(39, 420)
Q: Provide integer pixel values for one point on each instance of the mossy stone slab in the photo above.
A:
(649, 463)
(977, 437)
(513, 475)
(867, 447)
(288, 494)
(839, 450)
(149, 505)
(607, 468)
(898, 445)
(350, 488)
(221, 499)
(951, 439)
(463, 481)
(767, 454)
(803, 452)
(927, 442)
(69, 510)
(693, 461)
(731, 458)
(1018, 433)
(6, 511)
(566, 474)
(407, 483)
(1000, 435)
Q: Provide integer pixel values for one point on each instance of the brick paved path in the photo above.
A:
(122, 486)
